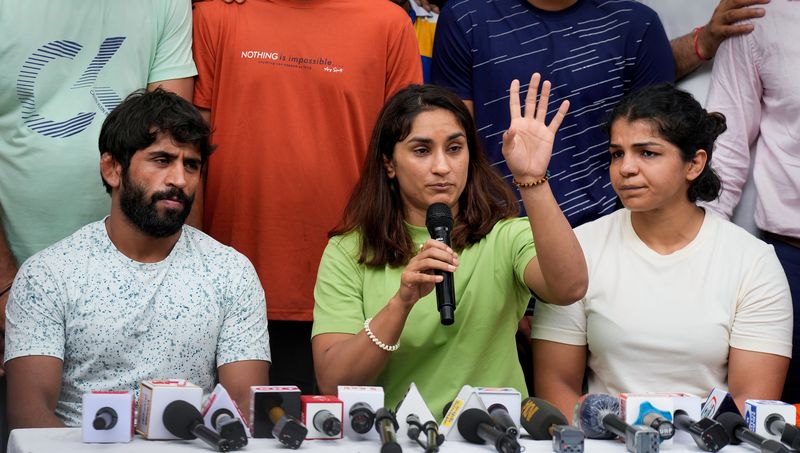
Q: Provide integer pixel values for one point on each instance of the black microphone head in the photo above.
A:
(361, 417)
(731, 421)
(385, 414)
(180, 417)
(589, 413)
(438, 216)
(446, 408)
(468, 423)
(537, 416)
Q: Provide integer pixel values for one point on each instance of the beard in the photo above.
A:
(144, 213)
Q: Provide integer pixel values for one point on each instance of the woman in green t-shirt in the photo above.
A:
(380, 262)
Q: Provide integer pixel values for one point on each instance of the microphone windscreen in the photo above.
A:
(731, 421)
(538, 416)
(589, 413)
(438, 215)
(468, 423)
(180, 417)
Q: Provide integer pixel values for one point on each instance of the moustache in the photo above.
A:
(173, 193)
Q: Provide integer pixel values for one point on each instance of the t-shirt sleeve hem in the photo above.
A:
(329, 327)
(176, 72)
(28, 353)
(765, 346)
(261, 357)
(556, 335)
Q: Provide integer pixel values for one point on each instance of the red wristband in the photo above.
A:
(697, 31)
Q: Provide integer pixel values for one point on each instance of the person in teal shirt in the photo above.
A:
(375, 318)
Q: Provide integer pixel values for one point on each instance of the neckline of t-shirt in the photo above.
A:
(642, 248)
(560, 14)
(138, 264)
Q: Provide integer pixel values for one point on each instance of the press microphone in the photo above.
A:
(502, 419)
(707, 433)
(439, 221)
(476, 427)
(664, 427)
(229, 428)
(288, 430)
(184, 421)
(105, 418)
(386, 425)
(361, 417)
(431, 430)
(737, 431)
(327, 423)
(543, 421)
(598, 417)
(790, 434)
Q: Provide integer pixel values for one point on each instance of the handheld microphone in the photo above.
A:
(598, 417)
(476, 427)
(361, 417)
(184, 421)
(229, 428)
(288, 430)
(737, 431)
(707, 433)
(543, 421)
(439, 220)
(414, 427)
(503, 420)
(386, 425)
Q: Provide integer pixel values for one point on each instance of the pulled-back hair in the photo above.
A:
(679, 119)
(136, 122)
(375, 208)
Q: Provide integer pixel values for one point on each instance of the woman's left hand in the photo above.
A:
(528, 142)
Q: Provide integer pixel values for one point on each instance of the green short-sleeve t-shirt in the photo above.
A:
(479, 349)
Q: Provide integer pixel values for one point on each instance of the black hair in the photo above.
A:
(678, 118)
(136, 122)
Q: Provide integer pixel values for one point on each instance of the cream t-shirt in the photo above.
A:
(662, 323)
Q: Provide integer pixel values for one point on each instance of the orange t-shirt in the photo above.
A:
(294, 89)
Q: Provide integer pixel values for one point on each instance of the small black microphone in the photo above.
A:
(106, 418)
(362, 417)
(707, 433)
(439, 221)
(737, 431)
(502, 419)
(229, 428)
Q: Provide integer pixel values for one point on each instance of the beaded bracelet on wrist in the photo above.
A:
(379, 343)
(540, 181)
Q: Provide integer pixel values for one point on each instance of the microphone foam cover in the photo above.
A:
(731, 421)
(538, 416)
(589, 413)
(468, 423)
(180, 417)
(438, 215)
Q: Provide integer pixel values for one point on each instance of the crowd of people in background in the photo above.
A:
(328, 148)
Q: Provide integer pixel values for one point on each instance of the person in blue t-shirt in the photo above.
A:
(593, 51)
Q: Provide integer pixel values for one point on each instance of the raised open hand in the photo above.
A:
(528, 142)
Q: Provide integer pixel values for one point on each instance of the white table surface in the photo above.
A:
(68, 440)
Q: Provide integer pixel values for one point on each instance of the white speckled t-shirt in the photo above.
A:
(115, 321)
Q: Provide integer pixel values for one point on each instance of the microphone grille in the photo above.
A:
(180, 417)
(439, 215)
(589, 413)
(468, 423)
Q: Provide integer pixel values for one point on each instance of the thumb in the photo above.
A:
(508, 138)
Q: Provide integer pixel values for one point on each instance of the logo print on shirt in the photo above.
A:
(105, 97)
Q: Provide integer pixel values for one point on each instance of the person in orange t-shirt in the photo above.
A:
(292, 90)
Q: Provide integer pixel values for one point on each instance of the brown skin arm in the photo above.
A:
(238, 377)
(558, 370)
(182, 87)
(771, 375)
(8, 270)
(34, 384)
(722, 25)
